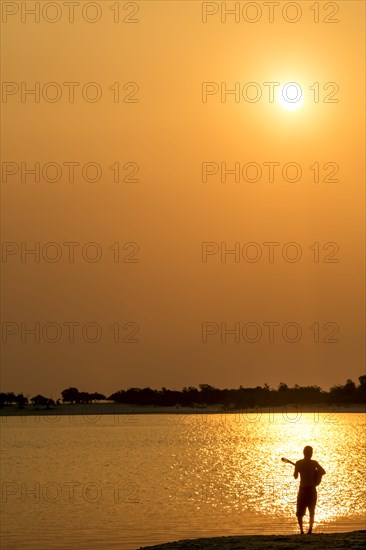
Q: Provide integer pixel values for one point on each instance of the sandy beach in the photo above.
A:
(95, 409)
(333, 541)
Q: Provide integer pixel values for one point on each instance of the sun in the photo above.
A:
(290, 96)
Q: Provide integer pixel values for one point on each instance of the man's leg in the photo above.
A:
(312, 505)
(300, 509)
(311, 520)
(299, 519)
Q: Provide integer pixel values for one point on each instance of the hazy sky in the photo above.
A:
(171, 212)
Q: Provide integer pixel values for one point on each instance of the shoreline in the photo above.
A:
(333, 541)
(100, 409)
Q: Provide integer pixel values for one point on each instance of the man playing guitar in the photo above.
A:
(310, 476)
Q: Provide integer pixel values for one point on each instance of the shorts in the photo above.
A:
(306, 498)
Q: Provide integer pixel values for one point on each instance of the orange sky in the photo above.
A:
(168, 133)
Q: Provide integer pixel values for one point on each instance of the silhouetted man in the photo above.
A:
(307, 495)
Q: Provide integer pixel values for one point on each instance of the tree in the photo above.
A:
(21, 401)
(343, 394)
(97, 396)
(84, 397)
(70, 395)
(10, 398)
(361, 390)
(40, 400)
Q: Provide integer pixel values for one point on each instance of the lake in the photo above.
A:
(125, 481)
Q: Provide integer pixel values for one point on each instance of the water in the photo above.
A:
(93, 482)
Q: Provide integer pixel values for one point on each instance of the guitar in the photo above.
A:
(317, 475)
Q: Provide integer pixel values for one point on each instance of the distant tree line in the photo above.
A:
(205, 395)
(71, 395)
(244, 397)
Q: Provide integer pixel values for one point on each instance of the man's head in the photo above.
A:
(308, 451)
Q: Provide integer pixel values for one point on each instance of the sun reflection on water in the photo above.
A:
(239, 458)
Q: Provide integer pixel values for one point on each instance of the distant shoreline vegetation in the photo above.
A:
(203, 396)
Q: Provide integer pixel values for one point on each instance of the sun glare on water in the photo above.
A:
(290, 96)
